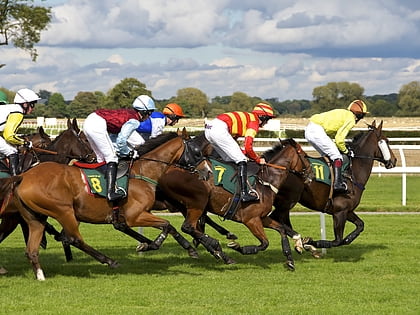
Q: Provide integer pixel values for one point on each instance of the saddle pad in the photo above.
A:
(322, 170)
(4, 174)
(97, 183)
(225, 176)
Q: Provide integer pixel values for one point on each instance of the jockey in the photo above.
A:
(223, 131)
(11, 117)
(101, 123)
(153, 126)
(335, 123)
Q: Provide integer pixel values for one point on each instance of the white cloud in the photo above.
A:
(272, 48)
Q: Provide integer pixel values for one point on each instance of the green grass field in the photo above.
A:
(379, 273)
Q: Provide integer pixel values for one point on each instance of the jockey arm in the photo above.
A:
(126, 130)
(341, 135)
(13, 122)
(248, 145)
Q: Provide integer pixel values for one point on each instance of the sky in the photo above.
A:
(271, 49)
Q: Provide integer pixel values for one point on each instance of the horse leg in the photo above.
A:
(210, 244)
(73, 237)
(8, 224)
(256, 226)
(281, 214)
(36, 230)
(360, 225)
(183, 242)
(220, 229)
(339, 220)
(148, 219)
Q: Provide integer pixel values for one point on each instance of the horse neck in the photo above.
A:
(363, 162)
(155, 163)
(287, 158)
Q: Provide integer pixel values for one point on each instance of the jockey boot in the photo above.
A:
(111, 178)
(339, 186)
(13, 164)
(246, 196)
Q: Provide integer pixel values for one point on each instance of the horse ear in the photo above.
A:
(380, 125)
(184, 133)
(75, 126)
(41, 131)
(373, 124)
(68, 123)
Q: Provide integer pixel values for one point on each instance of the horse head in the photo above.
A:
(374, 145)
(289, 156)
(72, 144)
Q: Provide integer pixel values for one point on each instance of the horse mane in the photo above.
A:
(270, 153)
(153, 143)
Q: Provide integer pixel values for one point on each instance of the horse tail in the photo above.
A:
(7, 185)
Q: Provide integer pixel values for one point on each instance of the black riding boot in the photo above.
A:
(339, 186)
(111, 177)
(245, 195)
(13, 164)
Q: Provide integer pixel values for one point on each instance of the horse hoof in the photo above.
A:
(316, 254)
(233, 245)
(299, 250)
(290, 265)
(230, 261)
(142, 247)
(40, 275)
(192, 253)
(231, 236)
(3, 271)
(114, 264)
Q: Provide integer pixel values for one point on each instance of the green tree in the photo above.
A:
(194, 102)
(335, 95)
(241, 102)
(85, 103)
(409, 99)
(21, 23)
(57, 105)
(124, 93)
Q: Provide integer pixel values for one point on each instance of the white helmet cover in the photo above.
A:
(144, 102)
(25, 96)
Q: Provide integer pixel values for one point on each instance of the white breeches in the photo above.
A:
(217, 133)
(5, 148)
(318, 138)
(96, 132)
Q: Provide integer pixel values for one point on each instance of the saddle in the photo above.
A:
(322, 169)
(94, 176)
(225, 175)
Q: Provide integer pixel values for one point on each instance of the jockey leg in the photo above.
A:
(245, 194)
(339, 186)
(13, 164)
(111, 177)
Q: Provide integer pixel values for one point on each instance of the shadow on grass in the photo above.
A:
(169, 260)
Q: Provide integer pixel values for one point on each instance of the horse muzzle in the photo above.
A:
(390, 163)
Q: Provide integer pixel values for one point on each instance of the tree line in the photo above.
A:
(196, 103)
(21, 24)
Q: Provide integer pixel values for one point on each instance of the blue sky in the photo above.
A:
(270, 48)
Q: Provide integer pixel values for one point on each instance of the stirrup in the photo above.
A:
(252, 195)
(341, 189)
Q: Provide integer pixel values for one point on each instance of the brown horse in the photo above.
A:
(199, 196)
(61, 193)
(368, 147)
(69, 144)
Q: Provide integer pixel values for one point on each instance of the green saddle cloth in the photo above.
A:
(97, 182)
(322, 170)
(4, 175)
(225, 175)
